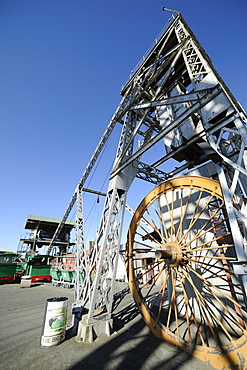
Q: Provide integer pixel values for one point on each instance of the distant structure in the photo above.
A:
(2, 250)
(40, 235)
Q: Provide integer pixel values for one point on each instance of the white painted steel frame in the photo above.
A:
(176, 96)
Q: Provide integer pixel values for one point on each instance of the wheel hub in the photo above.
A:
(171, 253)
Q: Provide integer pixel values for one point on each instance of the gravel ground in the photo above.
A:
(131, 346)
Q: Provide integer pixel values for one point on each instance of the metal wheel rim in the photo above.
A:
(227, 295)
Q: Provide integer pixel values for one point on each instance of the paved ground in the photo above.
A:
(132, 346)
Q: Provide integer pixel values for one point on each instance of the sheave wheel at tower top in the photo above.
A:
(180, 270)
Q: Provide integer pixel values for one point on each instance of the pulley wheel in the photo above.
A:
(179, 264)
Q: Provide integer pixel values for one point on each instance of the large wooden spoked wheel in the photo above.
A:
(179, 254)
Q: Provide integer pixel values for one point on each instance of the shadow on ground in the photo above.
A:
(134, 346)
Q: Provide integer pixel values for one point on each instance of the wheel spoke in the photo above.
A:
(218, 258)
(206, 284)
(206, 248)
(145, 245)
(200, 234)
(217, 238)
(204, 264)
(187, 302)
(195, 217)
(192, 313)
(187, 305)
(230, 318)
(172, 300)
(146, 232)
(154, 280)
(193, 222)
(162, 289)
(204, 305)
(166, 233)
(170, 211)
(217, 275)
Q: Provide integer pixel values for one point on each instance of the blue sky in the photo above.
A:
(62, 66)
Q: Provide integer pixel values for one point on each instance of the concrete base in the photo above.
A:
(88, 331)
(26, 281)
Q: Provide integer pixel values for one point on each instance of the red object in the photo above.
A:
(41, 278)
(7, 279)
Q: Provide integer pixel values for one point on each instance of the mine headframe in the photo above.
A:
(175, 97)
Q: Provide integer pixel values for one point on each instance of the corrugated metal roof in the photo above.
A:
(33, 221)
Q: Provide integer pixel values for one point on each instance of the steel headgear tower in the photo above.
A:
(187, 269)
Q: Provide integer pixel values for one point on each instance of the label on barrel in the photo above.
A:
(56, 317)
(53, 340)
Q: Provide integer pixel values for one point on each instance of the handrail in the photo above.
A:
(154, 43)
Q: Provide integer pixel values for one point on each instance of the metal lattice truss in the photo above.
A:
(176, 98)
